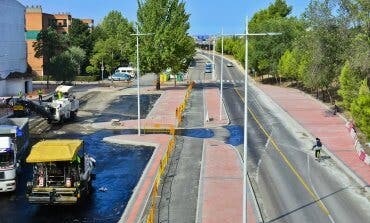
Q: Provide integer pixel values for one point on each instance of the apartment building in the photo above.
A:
(37, 20)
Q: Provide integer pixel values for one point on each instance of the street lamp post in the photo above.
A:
(222, 72)
(102, 70)
(213, 59)
(138, 75)
(245, 151)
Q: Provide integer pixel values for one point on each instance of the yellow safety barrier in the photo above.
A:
(182, 106)
(164, 161)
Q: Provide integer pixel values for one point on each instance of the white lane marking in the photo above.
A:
(313, 188)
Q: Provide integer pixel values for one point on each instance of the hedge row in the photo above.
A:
(77, 78)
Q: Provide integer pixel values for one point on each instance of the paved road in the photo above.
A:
(290, 185)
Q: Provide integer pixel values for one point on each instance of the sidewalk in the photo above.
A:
(162, 114)
(221, 185)
(311, 114)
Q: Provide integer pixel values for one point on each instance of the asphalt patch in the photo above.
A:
(236, 135)
(118, 169)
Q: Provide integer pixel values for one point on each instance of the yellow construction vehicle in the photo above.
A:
(62, 172)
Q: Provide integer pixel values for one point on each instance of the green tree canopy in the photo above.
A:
(170, 45)
(78, 57)
(266, 51)
(114, 44)
(360, 109)
(48, 44)
(62, 67)
(80, 36)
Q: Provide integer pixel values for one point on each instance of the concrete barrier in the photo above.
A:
(357, 145)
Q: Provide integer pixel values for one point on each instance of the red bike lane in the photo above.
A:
(315, 117)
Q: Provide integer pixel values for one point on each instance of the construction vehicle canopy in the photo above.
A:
(54, 150)
(64, 89)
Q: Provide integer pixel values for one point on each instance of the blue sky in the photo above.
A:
(207, 16)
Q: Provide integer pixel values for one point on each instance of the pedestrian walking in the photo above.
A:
(317, 147)
(39, 92)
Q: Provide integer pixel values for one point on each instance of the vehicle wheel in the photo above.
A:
(61, 119)
(73, 115)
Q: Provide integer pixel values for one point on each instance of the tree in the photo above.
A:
(288, 65)
(170, 45)
(49, 44)
(78, 57)
(349, 85)
(62, 67)
(324, 41)
(80, 36)
(267, 51)
(114, 44)
(360, 109)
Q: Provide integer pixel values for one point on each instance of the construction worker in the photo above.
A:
(317, 147)
(59, 95)
(39, 92)
(20, 94)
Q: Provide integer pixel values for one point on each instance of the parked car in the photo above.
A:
(120, 77)
(127, 70)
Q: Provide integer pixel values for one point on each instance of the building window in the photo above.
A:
(62, 22)
(58, 22)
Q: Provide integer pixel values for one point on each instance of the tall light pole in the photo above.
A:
(222, 72)
(138, 75)
(102, 70)
(213, 59)
(245, 151)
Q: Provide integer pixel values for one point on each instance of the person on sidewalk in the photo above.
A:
(335, 108)
(39, 92)
(317, 147)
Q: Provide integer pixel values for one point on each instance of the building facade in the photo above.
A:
(36, 20)
(13, 56)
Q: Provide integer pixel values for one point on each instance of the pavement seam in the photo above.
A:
(225, 178)
(312, 186)
(198, 214)
(251, 191)
(204, 109)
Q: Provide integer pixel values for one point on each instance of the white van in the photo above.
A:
(128, 70)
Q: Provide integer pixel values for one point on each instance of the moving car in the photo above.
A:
(118, 76)
(62, 172)
(229, 64)
(208, 68)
